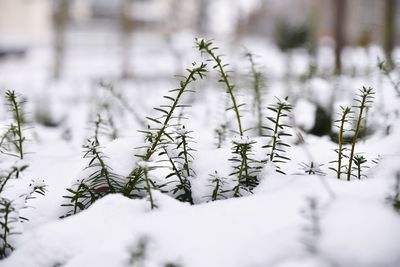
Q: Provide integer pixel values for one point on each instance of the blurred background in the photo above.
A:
(126, 39)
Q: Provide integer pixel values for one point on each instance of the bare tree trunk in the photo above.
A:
(340, 22)
(202, 16)
(389, 30)
(60, 24)
(126, 30)
(314, 26)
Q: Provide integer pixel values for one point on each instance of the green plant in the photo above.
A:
(14, 172)
(281, 110)
(80, 197)
(14, 134)
(122, 100)
(312, 168)
(363, 102)
(386, 71)
(394, 198)
(208, 48)
(245, 167)
(159, 136)
(221, 133)
(257, 83)
(217, 183)
(7, 220)
(359, 162)
(346, 115)
(180, 159)
(149, 183)
(100, 182)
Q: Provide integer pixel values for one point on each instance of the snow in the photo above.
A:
(358, 226)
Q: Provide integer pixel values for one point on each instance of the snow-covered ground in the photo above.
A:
(295, 219)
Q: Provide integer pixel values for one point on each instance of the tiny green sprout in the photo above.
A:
(278, 130)
(159, 136)
(207, 47)
(346, 116)
(363, 101)
(15, 129)
(312, 168)
(359, 162)
(217, 183)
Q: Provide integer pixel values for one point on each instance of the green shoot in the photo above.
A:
(208, 48)
(365, 99)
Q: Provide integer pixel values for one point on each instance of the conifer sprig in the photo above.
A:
(364, 100)
(180, 158)
(6, 222)
(15, 129)
(100, 182)
(346, 116)
(281, 110)
(208, 47)
(257, 83)
(217, 182)
(245, 167)
(156, 136)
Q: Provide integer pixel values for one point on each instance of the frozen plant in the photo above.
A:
(346, 115)
(208, 48)
(100, 182)
(245, 167)
(122, 100)
(394, 198)
(159, 136)
(277, 131)
(312, 228)
(312, 168)
(221, 133)
(364, 100)
(180, 159)
(217, 182)
(7, 219)
(14, 172)
(149, 183)
(359, 162)
(257, 83)
(14, 135)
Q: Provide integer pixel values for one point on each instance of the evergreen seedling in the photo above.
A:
(158, 137)
(180, 161)
(15, 132)
(312, 168)
(217, 183)
(359, 162)
(363, 101)
(278, 130)
(6, 221)
(208, 48)
(245, 167)
(257, 84)
(346, 115)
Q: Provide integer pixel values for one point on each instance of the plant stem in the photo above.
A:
(366, 94)
(148, 188)
(205, 46)
(18, 120)
(275, 137)
(346, 111)
(136, 173)
(256, 87)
